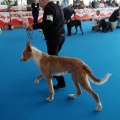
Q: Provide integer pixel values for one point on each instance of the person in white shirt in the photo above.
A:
(95, 21)
(64, 4)
(101, 4)
(108, 2)
(118, 3)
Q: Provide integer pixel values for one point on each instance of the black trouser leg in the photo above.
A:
(33, 14)
(54, 45)
(35, 18)
(60, 80)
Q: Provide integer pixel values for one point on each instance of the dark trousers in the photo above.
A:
(54, 45)
(35, 17)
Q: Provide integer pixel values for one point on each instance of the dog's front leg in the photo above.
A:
(37, 79)
(102, 29)
(51, 90)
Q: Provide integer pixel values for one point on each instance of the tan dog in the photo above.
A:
(53, 65)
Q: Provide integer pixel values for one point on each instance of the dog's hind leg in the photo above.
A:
(86, 85)
(80, 25)
(51, 90)
(76, 29)
(77, 85)
(38, 78)
(110, 27)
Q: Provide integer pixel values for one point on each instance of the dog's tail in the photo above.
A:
(93, 78)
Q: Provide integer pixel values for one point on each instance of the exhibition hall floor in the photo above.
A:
(20, 99)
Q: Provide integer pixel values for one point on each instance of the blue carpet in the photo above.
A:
(20, 99)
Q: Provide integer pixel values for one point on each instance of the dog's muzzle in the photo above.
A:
(21, 59)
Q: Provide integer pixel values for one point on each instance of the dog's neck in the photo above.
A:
(36, 55)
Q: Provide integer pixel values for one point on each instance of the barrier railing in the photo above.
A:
(81, 14)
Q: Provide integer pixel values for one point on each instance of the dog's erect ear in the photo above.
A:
(27, 43)
(28, 46)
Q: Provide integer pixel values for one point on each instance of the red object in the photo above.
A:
(9, 9)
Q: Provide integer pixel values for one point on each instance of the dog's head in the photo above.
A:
(103, 21)
(27, 52)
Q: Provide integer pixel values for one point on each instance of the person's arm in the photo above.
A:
(38, 26)
(117, 14)
(33, 27)
(118, 17)
(47, 20)
(95, 20)
(32, 6)
(62, 5)
(38, 5)
(74, 15)
(67, 2)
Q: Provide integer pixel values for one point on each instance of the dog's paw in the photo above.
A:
(36, 82)
(49, 99)
(72, 95)
(98, 108)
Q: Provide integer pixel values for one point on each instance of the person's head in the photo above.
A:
(70, 7)
(74, 2)
(35, 1)
(98, 12)
(58, 3)
(43, 3)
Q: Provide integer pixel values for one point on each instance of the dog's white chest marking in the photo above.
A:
(59, 73)
(36, 54)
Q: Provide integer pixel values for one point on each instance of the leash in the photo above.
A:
(29, 35)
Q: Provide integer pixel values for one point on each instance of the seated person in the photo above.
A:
(114, 4)
(81, 5)
(114, 17)
(101, 4)
(75, 5)
(95, 21)
(108, 2)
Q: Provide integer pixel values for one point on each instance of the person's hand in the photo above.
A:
(29, 27)
(118, 17)
(26, 24)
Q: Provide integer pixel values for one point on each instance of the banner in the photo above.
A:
(81, 14)
(85, 14)
(16, 17)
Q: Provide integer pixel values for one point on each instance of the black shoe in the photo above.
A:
(117, 27)
(59, 86)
